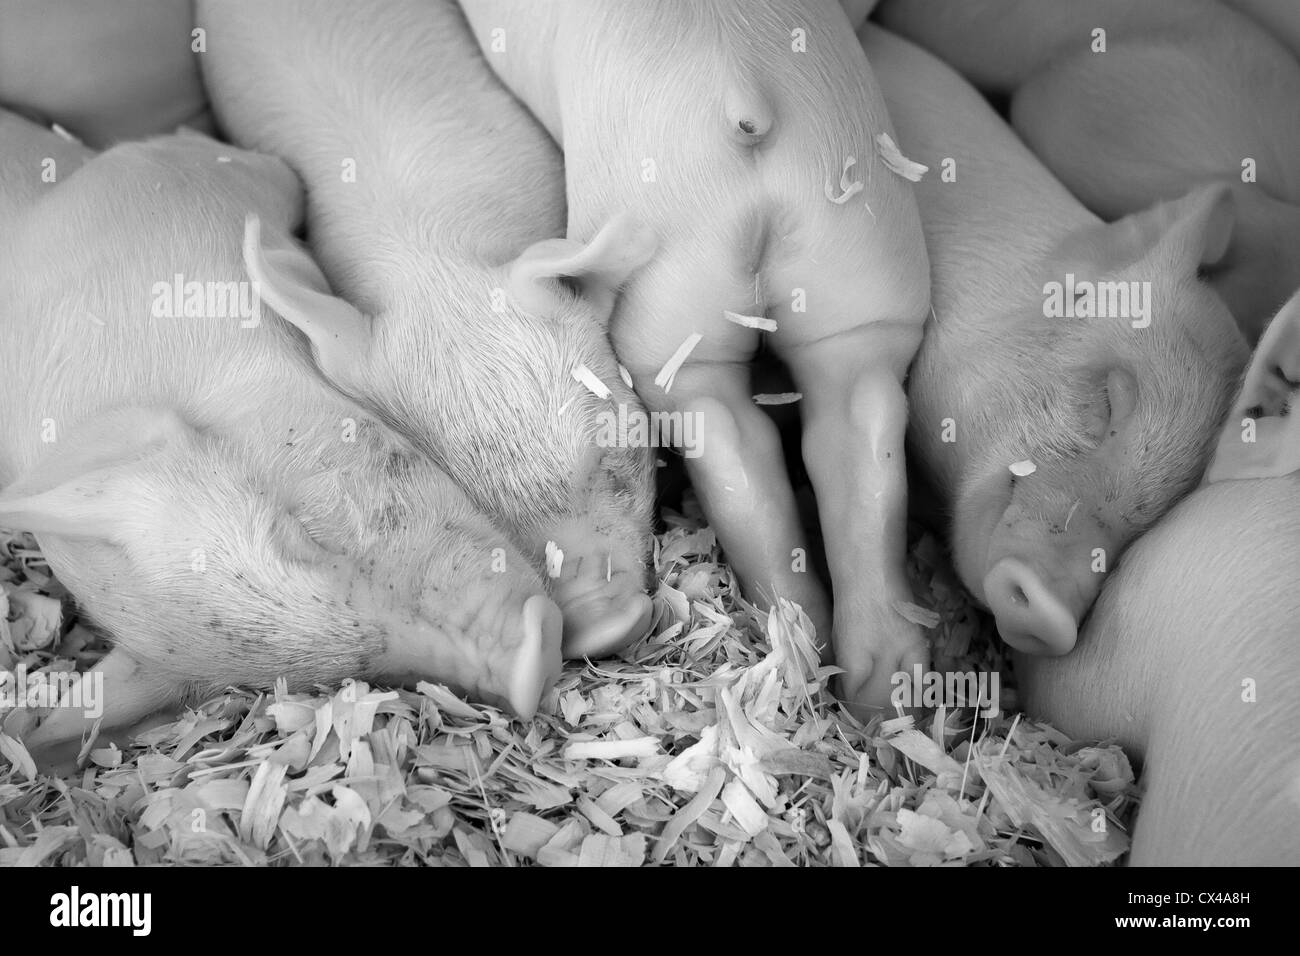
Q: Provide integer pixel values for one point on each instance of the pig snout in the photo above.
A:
(1036, 562)
(1035, 613)
(598, 580)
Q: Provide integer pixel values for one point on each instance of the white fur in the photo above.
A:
(454, 181)
(317, 552)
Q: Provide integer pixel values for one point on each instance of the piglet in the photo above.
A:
(1190, 655)
(435, 205)
(1132, 103)
(1073, 374)
(751, 136)
(208, 500)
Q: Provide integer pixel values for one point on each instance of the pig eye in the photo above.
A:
(1121, 395)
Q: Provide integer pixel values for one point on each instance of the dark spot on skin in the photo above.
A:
(397, 465)
(1255, 411)
(747, 127)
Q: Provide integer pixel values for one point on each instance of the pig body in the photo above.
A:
(1188, 661)
(1188, 657)
(1107, 417)
(748, 135)
(1281, 18)
(1183, 93)
(104, 72)
(223, 513)
(433, 203)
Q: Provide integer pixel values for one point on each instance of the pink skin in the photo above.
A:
(245, 523)
(1115, 414)
(742, 165)
(1202, 603)
(106, 73)
(448, 304)
(1185, 91)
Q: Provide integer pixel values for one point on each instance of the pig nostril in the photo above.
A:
(1030, 615)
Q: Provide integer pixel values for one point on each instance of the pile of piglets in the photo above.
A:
(321, 384)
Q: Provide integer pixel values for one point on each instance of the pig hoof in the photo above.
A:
(537, 663)
(1030, 616)
(872, 689)
(599, 623)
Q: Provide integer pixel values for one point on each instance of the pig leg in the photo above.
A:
(855, 420)
(740, 474)
(128, 694)
(744, 490)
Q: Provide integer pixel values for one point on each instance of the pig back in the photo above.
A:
(386, 109)
(989, 208)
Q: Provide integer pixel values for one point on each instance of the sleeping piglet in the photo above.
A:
(1074, 373)
(435, 207)
(208, 500)
(751, 136)
(1190, 656)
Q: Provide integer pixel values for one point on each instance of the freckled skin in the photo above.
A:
(322, 558)
(445, 249)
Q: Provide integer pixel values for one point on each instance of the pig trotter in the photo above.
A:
(853, 446)
(598, 623)
(120, 693)
(537, 662)
(741, 480)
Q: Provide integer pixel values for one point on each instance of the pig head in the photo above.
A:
(219, 509)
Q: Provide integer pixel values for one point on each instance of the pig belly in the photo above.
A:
(1188, 660)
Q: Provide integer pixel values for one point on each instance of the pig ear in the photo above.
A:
(289, 281)
(1200, 223)
(67, 492)
(600, 266)
(1261, 438)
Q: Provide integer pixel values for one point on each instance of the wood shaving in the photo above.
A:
(713, 741)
